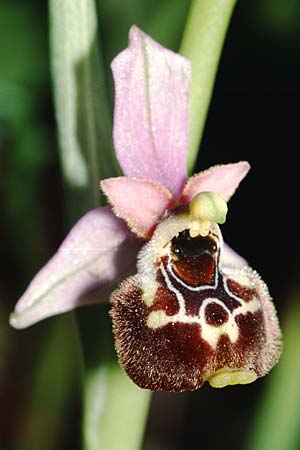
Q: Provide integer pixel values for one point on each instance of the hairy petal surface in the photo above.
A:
(151, 111)
(97, 253)
(140, 202)
(221, 179)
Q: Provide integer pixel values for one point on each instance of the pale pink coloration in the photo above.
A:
(230, 258)
(141, 203)
(222, 179)
(95, 256)
(151, 111)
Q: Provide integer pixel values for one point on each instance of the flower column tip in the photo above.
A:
(206, 208)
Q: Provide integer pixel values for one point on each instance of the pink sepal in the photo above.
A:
(97, 253)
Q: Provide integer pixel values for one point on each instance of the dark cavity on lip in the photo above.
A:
(184, 245)
(194, 261)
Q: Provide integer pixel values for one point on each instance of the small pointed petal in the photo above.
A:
(222, 179)
(89, 264)
(151, 111)
(140, 202)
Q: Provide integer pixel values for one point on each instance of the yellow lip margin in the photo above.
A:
(231, 377)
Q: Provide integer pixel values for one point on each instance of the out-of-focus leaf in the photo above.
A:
(54, 384)
(23, 43)
(167, 22)
(277, 419)
(83, 116)
(164, 24)
(277, 18)
(16, 102)
(24, 133)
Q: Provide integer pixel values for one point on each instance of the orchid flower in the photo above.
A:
(194, 311)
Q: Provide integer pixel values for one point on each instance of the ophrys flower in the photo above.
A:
(194, 311)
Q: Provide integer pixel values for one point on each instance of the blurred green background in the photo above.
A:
(254, 115)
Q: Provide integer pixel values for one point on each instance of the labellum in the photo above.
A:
(190, 314)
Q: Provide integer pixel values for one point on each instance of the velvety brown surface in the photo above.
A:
(164, 299)
(175, 357)
(215, 314)
(241, 291)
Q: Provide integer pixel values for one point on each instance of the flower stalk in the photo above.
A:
(202, 44)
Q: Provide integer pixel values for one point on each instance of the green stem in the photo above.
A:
(277, 419)
(202, 44)
(115, 408)
(116, 411)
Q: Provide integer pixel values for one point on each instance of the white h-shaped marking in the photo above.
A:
(209, 333)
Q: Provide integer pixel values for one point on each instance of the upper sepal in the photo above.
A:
(151, 111)
(97, 253)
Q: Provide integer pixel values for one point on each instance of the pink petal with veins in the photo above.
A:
(140, 202)
(222, 179)
(97, 253)
(151, 111)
